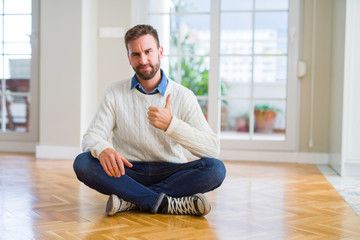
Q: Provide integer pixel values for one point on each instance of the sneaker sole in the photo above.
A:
(206, 204)
(112, 205)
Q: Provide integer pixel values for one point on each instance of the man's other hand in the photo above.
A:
(113, 162)
(160, 117)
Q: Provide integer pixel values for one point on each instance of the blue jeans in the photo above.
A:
(146, 183)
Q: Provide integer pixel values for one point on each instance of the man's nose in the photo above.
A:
(143, 59)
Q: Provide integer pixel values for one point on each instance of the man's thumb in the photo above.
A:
(168, 105)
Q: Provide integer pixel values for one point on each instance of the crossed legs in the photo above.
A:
(147, 183)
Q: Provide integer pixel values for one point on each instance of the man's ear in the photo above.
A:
(161, 51)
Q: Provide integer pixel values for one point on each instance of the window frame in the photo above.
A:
(25, 141)
(291, 142)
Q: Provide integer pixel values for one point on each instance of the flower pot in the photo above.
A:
(264, 120)
(242, 124)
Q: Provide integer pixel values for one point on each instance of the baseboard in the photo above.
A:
(57, 152)
(352, 169)
(275, 156)
(312, 158)
(61, 152)
(23, 147)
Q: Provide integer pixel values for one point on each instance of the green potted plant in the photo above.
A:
(265, 117)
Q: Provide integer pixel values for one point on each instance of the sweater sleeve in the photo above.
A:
(96, 138)
(191, 130)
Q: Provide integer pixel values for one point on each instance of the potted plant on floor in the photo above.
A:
(242, 123)
(264, 118)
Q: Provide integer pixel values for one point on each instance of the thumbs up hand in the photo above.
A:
(160, 117)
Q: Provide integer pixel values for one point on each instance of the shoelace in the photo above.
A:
(126, 206)
(183, 205)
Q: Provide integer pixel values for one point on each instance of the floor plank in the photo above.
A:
(42, 199)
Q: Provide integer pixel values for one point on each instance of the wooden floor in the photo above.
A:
(42, 199)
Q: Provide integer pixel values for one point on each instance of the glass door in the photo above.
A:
(184, 32)
(258, 55)
(239, 57)
(18, 61)
(253, 69)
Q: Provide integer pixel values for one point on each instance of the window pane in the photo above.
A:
(271, 5)
(17, 6)
(173, 37)
(17, 28)
(235, 119)
(270, 76)
(236, 33)
(231, 5)
(170, 67)
(231, 111)
(17, 113)
(270, 119)
(204, 107)
(195, 6)
(270, 90)
(271, 33)
(161, 6)
(270, 69)
(2, 117)
(17, 67)
(195, 34)
(2, 72)
(235, 76)
(17, 48)
(166, 27)
(1, 34)
(195, 74)
(18, 85)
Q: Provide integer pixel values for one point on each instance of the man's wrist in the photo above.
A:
(172, 125)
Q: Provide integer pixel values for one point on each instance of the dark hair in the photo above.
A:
(139, 31)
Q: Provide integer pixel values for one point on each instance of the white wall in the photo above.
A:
(113, 63)
(336, 84)
(351, 116)
(75, 67)
(316, 53)
(60, 72)
(68, 40)
(89, 60)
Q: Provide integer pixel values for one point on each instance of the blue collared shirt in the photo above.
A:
(161, 88)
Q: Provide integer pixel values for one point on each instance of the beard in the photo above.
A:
(147, 75)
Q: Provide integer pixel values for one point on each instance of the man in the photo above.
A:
(151, 119)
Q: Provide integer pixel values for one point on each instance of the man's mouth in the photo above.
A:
(145, 68)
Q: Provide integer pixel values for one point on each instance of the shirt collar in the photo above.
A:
(161, 88)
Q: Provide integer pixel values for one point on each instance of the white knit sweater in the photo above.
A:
(123, 112)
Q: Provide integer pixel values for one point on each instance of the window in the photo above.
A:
(239, 57)
(186, 58)
(253, 69)
(18, 61)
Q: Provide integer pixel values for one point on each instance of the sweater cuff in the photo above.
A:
(171, 128)
(95, 152)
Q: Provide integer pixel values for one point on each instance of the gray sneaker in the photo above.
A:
(116, 204)
(191, 205)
